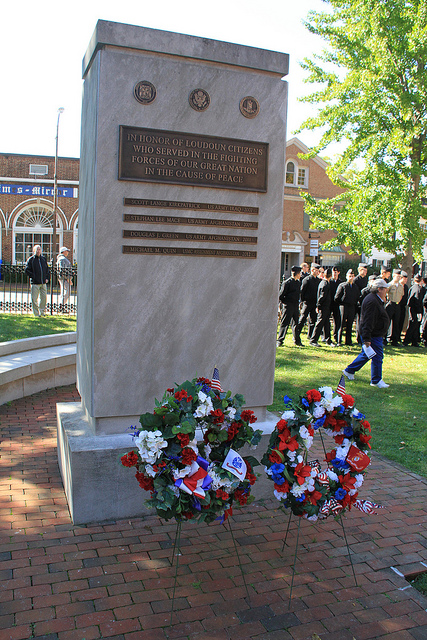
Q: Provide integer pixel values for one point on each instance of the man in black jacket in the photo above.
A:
(415, 304)
(309, 299)
(335, 307)
(347, 296)
(323, 307)
(374, 323)
(289, 297)
(38, 271)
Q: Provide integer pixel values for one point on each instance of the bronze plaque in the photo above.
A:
(196, 237)
(153, 155)
(249, 107)
(198, 222)
(188, 251)
(196, 206)
(199, 100)
(145, 92)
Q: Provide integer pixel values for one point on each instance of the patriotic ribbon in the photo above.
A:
(367, 506)
(330, 506)
(322, 478)
(198, 481)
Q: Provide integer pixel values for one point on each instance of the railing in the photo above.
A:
(15, 291)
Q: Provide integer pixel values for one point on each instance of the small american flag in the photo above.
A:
(341, 386)
(215, 383)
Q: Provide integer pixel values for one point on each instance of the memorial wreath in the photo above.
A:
(302, 485)
(190, 478)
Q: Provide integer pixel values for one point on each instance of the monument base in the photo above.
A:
(98, 487)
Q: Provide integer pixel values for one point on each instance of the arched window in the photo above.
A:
(296, 176)
(34, 225)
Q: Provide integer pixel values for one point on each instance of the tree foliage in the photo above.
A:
(372, 95)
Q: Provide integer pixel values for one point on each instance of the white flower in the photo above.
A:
(173, 488)
(149, 470)
(149, 445)
(230, 412)
(308, 442)
(291, 455)
(342, 450)
(318, 411)
(332, 475)
(288, 415)
(303, 431)
(279, 495)
(205, 406)
(186, 471)
(300, 458)
(312, 518)
(359, 481)
(298, 489)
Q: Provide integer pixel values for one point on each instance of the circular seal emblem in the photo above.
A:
(145, 92)
(249, 107)
(199, 100)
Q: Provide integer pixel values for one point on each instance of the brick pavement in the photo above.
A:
(114, 580)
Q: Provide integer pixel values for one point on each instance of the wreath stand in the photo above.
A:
(337, 518)
(176, 552)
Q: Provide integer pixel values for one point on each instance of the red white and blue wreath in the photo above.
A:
(188, 452)
(304, 487)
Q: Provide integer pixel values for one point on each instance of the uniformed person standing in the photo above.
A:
(289, 297)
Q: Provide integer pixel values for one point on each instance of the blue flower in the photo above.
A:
(287, 399)
(277, 468)
(319, 423)
(341, 408)
(360, 416)
(279, 479)
(301, 498)
(348, 432)
(340, 493)
(339, 464)
(305, 402)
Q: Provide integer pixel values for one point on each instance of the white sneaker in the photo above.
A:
(381, 384)
(348, 375)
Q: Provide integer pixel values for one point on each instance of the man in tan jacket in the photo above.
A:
(394, 296)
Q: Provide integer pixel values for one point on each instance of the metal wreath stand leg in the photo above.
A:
(297, 541)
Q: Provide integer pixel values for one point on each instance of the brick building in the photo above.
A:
(299, 242)
(26, 205)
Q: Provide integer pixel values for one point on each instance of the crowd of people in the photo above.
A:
(332, 306)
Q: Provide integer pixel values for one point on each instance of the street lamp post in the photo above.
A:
(55, 200)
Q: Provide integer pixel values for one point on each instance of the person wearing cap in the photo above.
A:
(36, 267)
(403, 309)
(347, 296)
(374, 322)
(415, 304)
(323, 312)
(309, 288)
(63, 266)
(394, 296)
(335, 307)
(289, 297)
(385, 273)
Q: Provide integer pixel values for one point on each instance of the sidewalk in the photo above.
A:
(114, 580)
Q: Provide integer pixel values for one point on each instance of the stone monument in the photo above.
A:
(180, 225)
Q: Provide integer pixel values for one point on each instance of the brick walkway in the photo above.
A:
(114, 580)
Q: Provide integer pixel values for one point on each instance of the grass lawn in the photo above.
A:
(14, 327)
(398, 415)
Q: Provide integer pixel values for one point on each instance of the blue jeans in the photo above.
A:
(376, 362)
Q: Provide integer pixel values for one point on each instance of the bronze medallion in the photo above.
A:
(199, 100)
(145, 92)
(249, 107)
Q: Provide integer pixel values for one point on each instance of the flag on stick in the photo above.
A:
(341, 386)
(215, 382)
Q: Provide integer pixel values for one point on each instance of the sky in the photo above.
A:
(43, 44)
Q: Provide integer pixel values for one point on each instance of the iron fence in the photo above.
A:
(15, 290)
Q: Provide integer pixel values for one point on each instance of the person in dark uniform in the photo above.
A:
(335, 307)
(323, 307)
(374, 323)
(394, 296)
(347, 296)
(305, 270)
(289, 297)
(361, 281)
(308, 295)
(385, 273)
(424, 322)
(403, 304)
(415, 304)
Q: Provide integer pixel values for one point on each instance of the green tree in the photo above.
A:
(372, 95)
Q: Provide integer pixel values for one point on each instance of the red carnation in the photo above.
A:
(183, 438)
(313, 396)
(170, 390)
(144, 482)
(222, 494)
(187, 515)
(241, 496)
(331, 455)
(233, 430)
(365, 439)
(281, 426)
(188, 456)
(204, 381)
(282, 488)
(248, 416)
(180, 395)
(365, 424)
(275, 458)
(339, 439)
(129, 459)
(347, 401)
(218, 416)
